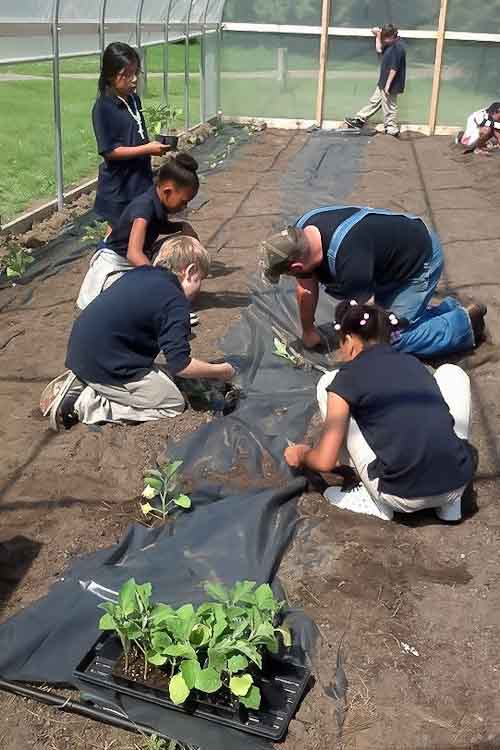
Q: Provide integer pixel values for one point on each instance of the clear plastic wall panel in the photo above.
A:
(470, 80)
(127, 35)
(211, 47)
(25, 47)
(153, 11)
(25, 10)
(71, 43)
(78, 95)
(269, 75)
(423, 14)
(152, 37)
(473, 17)
(26, 145)
(79, 10)
(215, 11)
(353, 70)
(121, 11)
(179, 11)
(198, 9)
(302, 12)
(73, 38)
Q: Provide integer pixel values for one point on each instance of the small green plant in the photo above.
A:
(16, 262)
(281, 349)
(161, 117)
(218, 645)
(95, 231)
(164, 485)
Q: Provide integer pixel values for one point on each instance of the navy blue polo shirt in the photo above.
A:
(406, 422)
(380, 249)
(146, 206)
(118, 336)
(120, 180)
(393, 58)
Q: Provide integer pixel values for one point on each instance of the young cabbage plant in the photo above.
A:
(281, 349)
(129, 616)
(163, 485)
(15, 262)
(161, 117)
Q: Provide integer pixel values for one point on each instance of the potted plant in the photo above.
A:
(212, 655)
(160, 121)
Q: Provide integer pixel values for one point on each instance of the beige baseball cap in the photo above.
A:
(278, 251)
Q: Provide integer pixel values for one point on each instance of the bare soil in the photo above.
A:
(416, 604)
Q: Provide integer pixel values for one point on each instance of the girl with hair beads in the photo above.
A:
(405, 431)
(121, 135)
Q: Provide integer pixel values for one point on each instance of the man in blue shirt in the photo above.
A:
(390, 84)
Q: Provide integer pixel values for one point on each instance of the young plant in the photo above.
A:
(95, 231)
(161, 117)
(163, 484)
(16, 262)
(281, 349)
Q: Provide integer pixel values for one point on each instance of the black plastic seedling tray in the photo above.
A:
(281, 688)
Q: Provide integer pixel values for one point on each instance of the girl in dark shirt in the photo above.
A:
(405, 431)
(121, 134)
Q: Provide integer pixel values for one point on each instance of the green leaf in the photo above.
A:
(160, 640)
(107, 623)
(146, 508)
(248, 650)
(172, 468)
(208, 680)
(200, 635)
(153, 473)
(241, 684)
(237, 663)
(156, 659)
(126, 598)
(217, 591)
(161, 613)
(252, 698)
(217, 659)
(186, 612)
(143, 594)
(190, 669)
(153, 482)
(178, 690)
(265, 598)
(286, 635)
(183, 501)
(180, 649)
(12, 273)
(280, 347)
(240, 590)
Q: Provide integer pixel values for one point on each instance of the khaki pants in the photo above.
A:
(389, 104)
(105, 268)
(152, 397)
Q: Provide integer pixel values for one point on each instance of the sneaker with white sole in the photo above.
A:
(193, 318)
(62, 412)
(358, 500)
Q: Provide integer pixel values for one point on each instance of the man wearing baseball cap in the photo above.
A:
(369, 254)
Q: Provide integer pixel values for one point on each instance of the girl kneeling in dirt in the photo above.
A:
(405, 431)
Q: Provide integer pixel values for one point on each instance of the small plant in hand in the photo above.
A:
(15, 262)
(163, 484)
(281, 349)
(216, 649)
(160, 120)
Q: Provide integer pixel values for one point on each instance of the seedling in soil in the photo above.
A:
(95, 231)
(16, 262)
(161, 118)
(163, 484)
(281, 349)
(217, 648)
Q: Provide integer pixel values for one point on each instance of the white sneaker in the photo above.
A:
(450, 511)
(358, 500)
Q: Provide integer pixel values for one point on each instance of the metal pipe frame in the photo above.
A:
(56, 95)
(102, 28)
(140, 49)
(165, 52)
(203, 82)
(186, 68)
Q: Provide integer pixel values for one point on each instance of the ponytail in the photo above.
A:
(370, 322)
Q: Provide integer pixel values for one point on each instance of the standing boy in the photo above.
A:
(390, 84)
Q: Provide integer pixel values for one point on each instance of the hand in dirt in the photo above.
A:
(294, 455)
(158, 149)
(311, 338)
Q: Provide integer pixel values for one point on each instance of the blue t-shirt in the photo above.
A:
(120, 180)
(393, 58)
(406, 422)
(117, 338)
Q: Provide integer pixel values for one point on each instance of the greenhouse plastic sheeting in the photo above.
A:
(225, 538)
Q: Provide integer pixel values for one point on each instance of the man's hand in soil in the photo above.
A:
(311, 338)
(294, 455)
(199, 369)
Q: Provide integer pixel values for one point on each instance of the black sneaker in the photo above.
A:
(63, 413)
(354, 122)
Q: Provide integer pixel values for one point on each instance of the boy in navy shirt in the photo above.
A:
(390, 84)
(115, 341)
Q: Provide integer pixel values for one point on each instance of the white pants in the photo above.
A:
(454, 384)
(389, 104)
(106, 267)
(155, 396)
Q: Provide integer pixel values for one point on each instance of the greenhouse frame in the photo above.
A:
(293, 64)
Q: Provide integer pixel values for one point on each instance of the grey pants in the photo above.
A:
(152, 397)
(389, 104)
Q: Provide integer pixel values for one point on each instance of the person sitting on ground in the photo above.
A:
(116, 339)
(482, 127)
(131, 243)
(373, 254)
(405, 431)
(390, 84)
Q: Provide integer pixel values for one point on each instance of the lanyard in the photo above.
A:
(136, 115)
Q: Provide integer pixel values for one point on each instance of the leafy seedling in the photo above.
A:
(161, 117)
(16, 262)
(96, 231)
(163, 484)
(281, 349)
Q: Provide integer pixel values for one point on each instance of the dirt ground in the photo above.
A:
(417, 603)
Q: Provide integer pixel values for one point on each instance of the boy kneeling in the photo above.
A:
(115, 341)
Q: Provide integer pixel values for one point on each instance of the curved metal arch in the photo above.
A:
(186, 67)
(56, 95)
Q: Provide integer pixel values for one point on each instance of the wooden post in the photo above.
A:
(438, 63)
(323, 60)
(282, 70)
